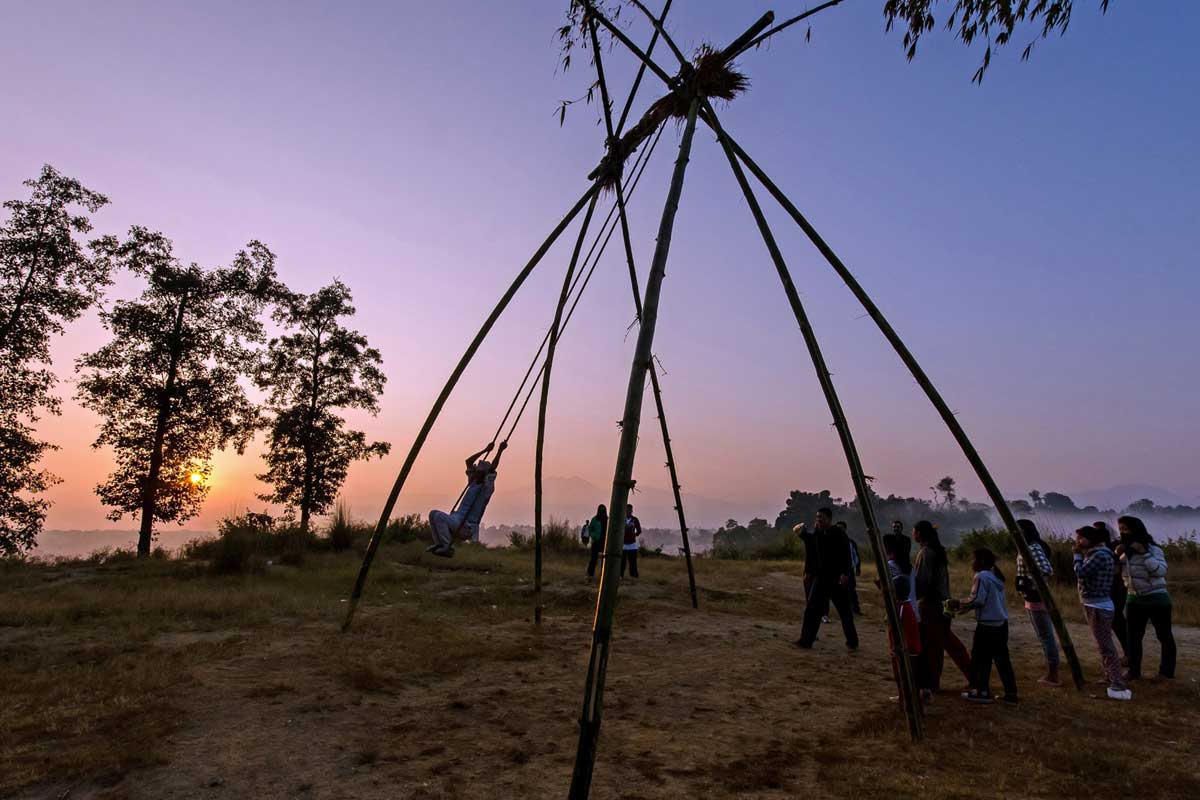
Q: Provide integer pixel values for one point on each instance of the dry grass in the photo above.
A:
(158, 678)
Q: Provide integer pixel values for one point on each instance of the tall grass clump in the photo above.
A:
(341, 532)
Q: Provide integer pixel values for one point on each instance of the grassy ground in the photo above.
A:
(162, 680)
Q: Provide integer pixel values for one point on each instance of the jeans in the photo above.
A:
(991, 644)
(629, 557)
(1100, 621)
(445, 527)
(1120, 628)
(1043, 626)
(597, 551)
(1159, 616)
(937, 639)
(822, 593)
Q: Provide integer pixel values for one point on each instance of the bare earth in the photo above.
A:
(715, 703)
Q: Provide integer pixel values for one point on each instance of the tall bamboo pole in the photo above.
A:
(547, 367)
(434, 412)
(935, 397)
(606, 601)
(908, 691)
(637, 302)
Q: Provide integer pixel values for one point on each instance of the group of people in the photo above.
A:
(594, 531)
(1122, 588)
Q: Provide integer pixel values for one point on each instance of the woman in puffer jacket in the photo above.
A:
(1149, 601)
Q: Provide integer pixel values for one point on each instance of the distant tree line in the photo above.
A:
(946, 510)
(1058, 503)
(170, 384)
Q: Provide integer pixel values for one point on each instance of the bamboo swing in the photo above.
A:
(688, 99)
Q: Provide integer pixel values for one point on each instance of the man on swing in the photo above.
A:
(462, 524)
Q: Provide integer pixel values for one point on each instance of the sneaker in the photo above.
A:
(1119, 693)
(1009, 700)
(826, 620)
(444, 552)
(982, 698)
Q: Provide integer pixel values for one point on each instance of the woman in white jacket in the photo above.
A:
(1149, 601)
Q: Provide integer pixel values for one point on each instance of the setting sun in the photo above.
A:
(196, 477)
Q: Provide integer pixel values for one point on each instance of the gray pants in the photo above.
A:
(1043, 626)
(446, 527)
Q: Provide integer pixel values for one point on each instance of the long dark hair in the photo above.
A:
(602, 515)
(1030, 532)
(1105, 533)
(987, 561)
(900, 548)
(1137, 530)
(929, 538)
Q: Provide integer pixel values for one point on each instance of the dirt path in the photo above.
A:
(706, 704)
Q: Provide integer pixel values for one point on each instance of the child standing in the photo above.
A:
(898, 548)
(1039, 617)
(991, 631)
(1095, 566)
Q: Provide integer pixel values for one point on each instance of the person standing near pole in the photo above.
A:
(629, 550)
(933, 590)
(1095, 566)
(596, 528)
(830, 583)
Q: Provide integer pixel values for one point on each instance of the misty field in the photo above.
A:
(164, 679)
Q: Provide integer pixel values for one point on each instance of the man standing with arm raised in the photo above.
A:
(830, 583)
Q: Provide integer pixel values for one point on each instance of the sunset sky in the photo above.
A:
(1033, 239)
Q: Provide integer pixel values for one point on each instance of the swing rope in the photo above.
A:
(579, 285)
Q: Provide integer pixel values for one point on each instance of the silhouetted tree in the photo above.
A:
(167, 385)
(1020, 507)
(1036, 497)
(47, 279)
(1143, 506)
(316, 369)
(1055, 501)
(993, 21)
(945, 488)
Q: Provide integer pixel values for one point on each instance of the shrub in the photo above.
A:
(558, 536)
(341, 529)
(519, 541)
(236, 548)
(409, 528)
(999, 541)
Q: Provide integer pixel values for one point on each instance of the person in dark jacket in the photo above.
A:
(932, 568)
(596, 528)
(629, 549)
(830, 581)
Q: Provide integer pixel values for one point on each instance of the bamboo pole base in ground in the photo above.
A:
(593, 695)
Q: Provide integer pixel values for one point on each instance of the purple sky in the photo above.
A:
(1034, 239)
